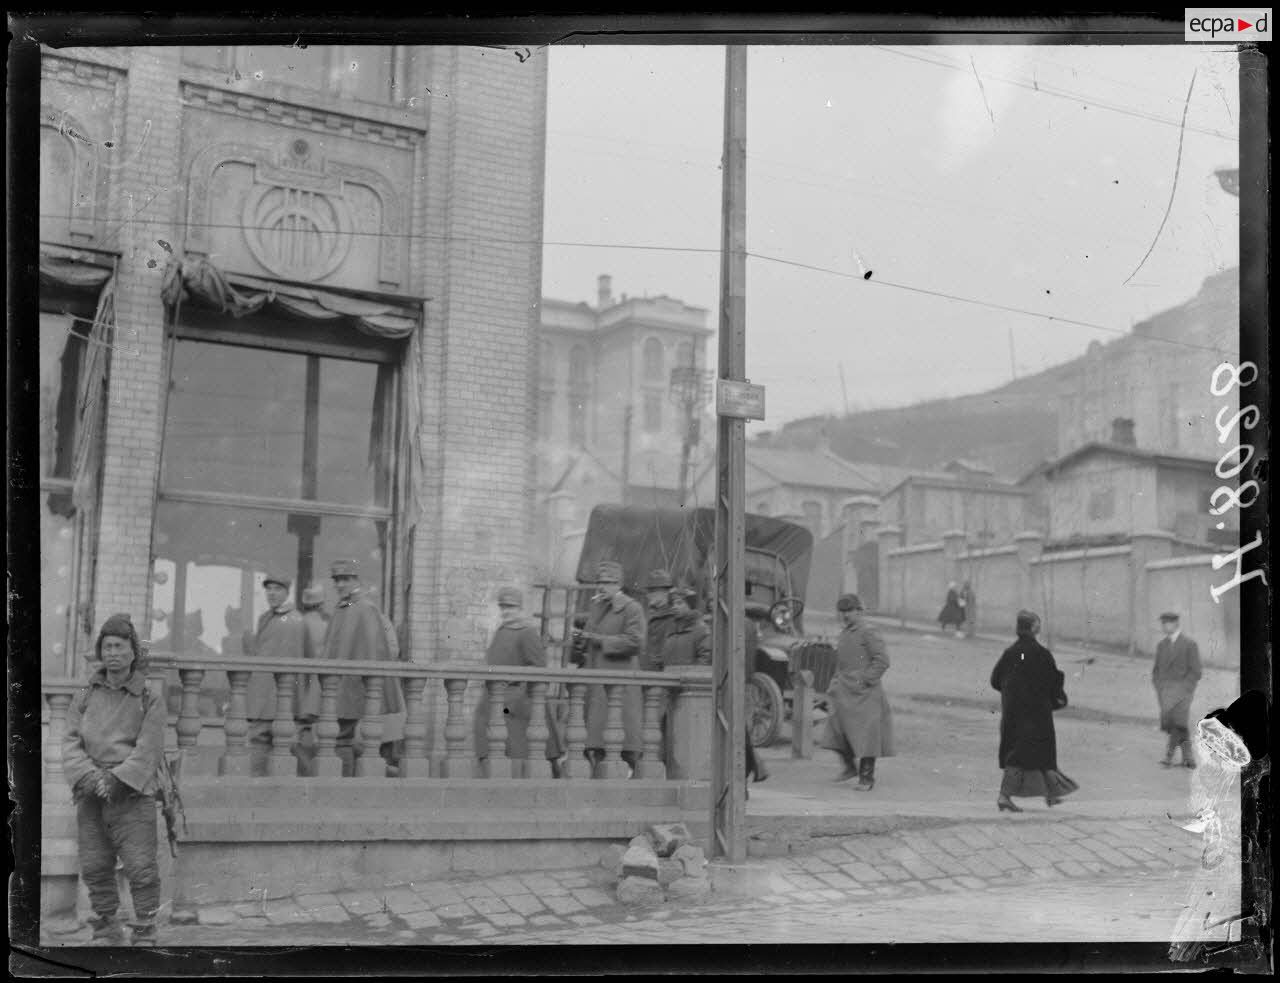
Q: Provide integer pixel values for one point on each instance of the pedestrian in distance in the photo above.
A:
(281, 634)
(1031, 689)
(357, 632)
(517, 641)
(952, 614)
(859, 722)
(111, 756)
(658, 618)
(1174, 675)
(614, 636)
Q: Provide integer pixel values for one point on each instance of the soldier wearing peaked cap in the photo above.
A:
(517, 641)
(860, 724)
(356, 631)
(615, 636)
(660, 618)
(280, 635)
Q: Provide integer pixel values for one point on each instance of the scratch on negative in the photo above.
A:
(983, 90)
(1177, 169)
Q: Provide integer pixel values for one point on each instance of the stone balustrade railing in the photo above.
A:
(459, 760)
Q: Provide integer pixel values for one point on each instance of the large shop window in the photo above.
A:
(273, 460)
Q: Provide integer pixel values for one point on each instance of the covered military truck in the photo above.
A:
(682, 541)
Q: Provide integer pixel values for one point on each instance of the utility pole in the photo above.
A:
(728, 671)
(844, 389)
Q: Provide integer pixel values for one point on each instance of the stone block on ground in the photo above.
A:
(639, 890)
(689, 889)
(669, 837)
(670, 870)
(693, 859)
(640, 861)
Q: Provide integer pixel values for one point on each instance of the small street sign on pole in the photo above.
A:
(728, 672)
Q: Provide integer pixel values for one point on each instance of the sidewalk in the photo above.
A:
(785, 898)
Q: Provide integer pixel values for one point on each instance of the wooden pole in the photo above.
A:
(728, 779)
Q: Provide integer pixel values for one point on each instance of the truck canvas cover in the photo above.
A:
(681, 540)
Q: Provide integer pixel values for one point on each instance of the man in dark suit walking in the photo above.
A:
(1174, 675)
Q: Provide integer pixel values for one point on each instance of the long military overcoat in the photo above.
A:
(859, 721)
(620, 623)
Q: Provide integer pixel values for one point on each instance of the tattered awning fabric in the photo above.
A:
(68, 268)
(197, 280)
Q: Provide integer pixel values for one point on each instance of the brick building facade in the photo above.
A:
(289, 300)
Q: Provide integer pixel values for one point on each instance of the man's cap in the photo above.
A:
(283, 579)
(659, 580)
(690, 597)
(344, 568)
(608, 572)
(1169, 616)
(510, 597)
(312, 595)
(849, 602)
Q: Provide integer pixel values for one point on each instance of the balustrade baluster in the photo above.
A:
(575, 765)
(414, 762)
(652, 765)
(497, 764)
(535, 765)
(327, 763)
(189, 722)
(613, 766)
(370, 762)
(235, 758)
(55, 783)
(457, 763)
(282, 762)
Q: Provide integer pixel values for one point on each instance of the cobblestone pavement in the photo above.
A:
(1044, 880)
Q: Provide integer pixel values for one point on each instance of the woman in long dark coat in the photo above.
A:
(1031, 688)
(952, 613)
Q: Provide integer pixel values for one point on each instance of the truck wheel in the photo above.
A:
(765, 709)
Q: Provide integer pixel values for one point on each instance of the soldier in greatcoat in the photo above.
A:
(659, 618)
(307, 709)
(517, 641)
(356, 631)
(614, 635)
(859, 724)
(281, 634)
(1174, 675)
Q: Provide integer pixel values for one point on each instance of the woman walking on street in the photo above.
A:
(952, 613)
(111, 756)
(1031, 688)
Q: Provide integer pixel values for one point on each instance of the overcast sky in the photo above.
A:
(1025, 177)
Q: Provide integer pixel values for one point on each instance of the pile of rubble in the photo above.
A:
(663, 865)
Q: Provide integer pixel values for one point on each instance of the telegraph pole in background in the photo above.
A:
(728, 672)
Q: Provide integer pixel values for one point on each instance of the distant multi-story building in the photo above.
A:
(621, 386)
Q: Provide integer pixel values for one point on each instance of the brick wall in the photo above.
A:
(483, 274)
(143, 206)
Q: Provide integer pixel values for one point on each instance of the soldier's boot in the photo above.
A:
(850, 767)
(1167, 760)
(1188, 756)
(107, 930)
(866, 775)
(144, 933)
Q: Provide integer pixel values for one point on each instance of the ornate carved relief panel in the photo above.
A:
(81, 145)
(295, 193)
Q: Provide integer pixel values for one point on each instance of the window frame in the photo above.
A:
(337, 340)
